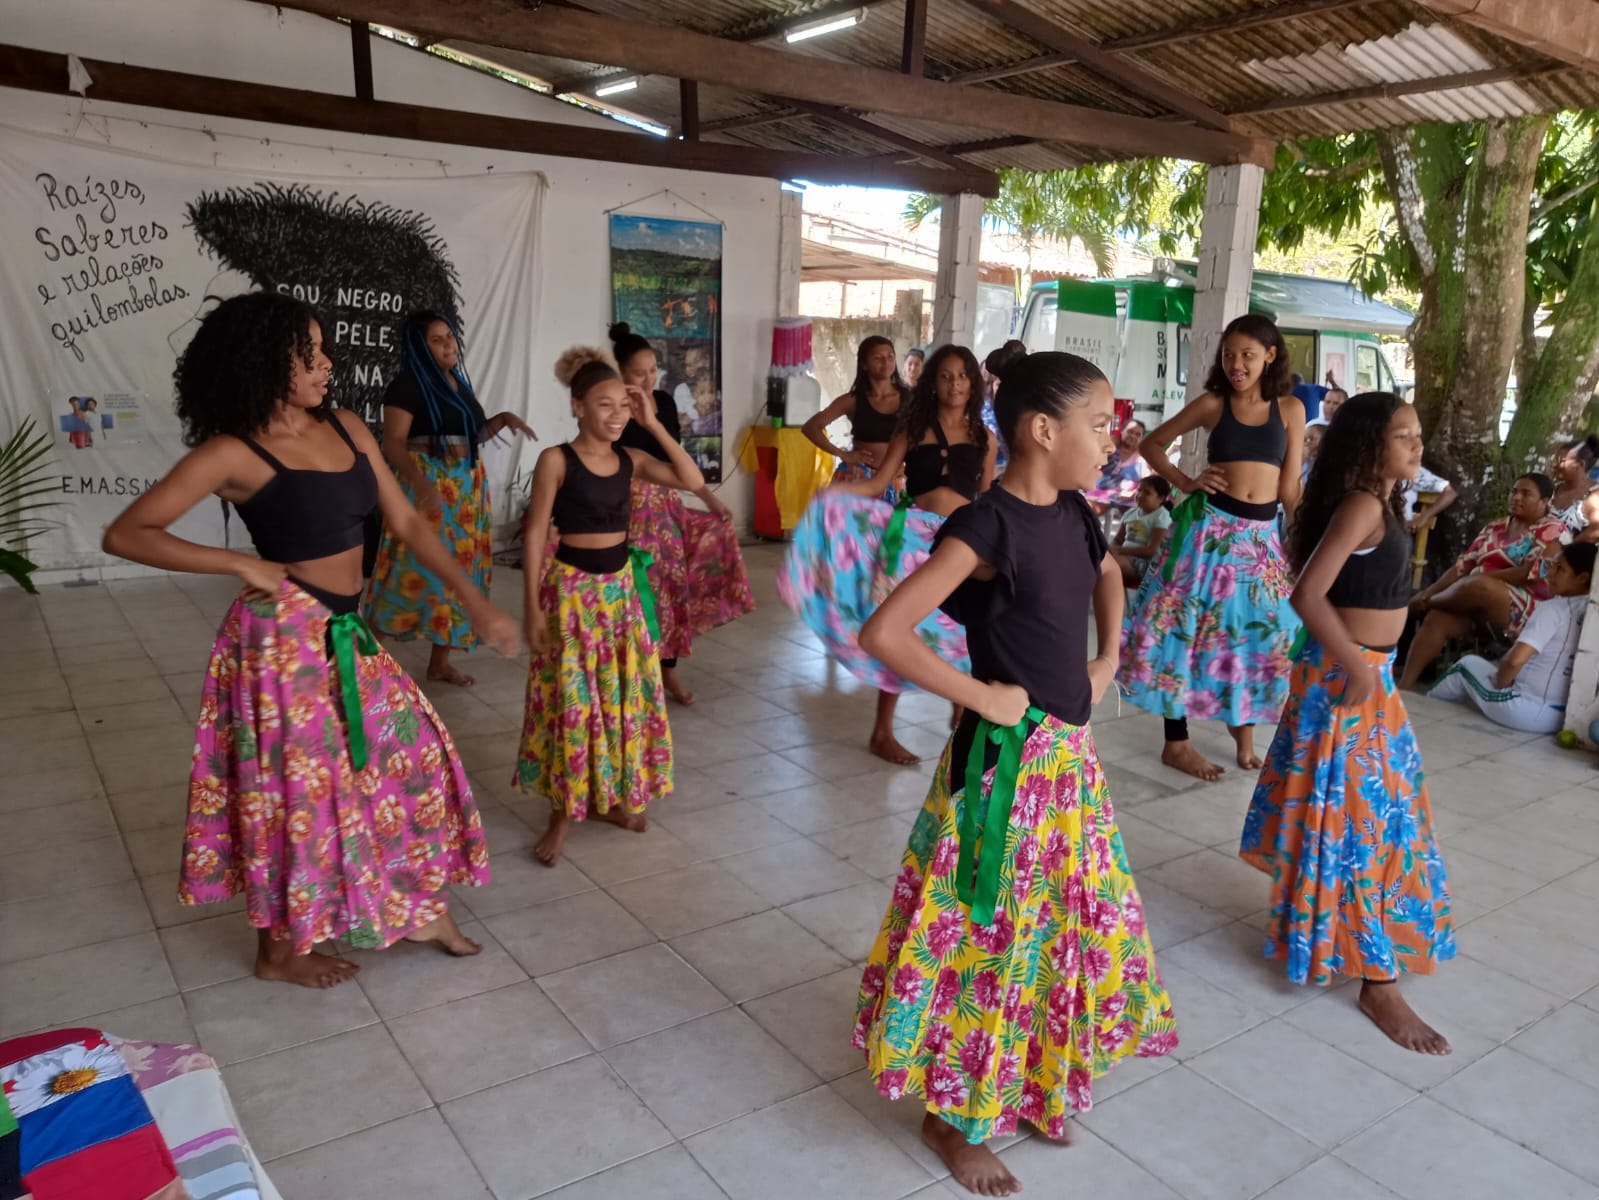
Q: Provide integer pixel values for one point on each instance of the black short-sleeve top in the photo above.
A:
(1028, 625)
(639, 438)
(404, 392)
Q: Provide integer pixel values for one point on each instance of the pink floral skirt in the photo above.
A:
(277, 809)
(698, 574)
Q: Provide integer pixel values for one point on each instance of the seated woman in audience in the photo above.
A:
(1572, 485)
(1144, 530)
(1496, 582)
(1118, 482)
(1527, 688)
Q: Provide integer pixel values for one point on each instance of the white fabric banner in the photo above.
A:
(109, 260)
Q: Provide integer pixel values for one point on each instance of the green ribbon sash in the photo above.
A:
(642, 561)
(982, 896)
(894, 537)
(1182, 520)
(350, 635)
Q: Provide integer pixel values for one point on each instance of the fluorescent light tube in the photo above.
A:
(801, 33)
(614, 89)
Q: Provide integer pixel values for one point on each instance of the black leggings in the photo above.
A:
(668, 663)
(1177, 729)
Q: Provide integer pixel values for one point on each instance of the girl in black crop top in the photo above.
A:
(1018, 822)
(433, 428)
(862, 545)
(595, 741)
(698, 575)
(1210, 628)
(1344, 770)
(300, 704)
(873, 407)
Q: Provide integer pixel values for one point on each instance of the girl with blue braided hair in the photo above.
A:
(433, 430)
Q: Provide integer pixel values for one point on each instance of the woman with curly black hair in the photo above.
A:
(852, 546)
(1340, 818)
(433, 431)
(1209, 632)
(325, 788)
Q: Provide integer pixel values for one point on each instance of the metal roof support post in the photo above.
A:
(1226, 266)
(960, 244)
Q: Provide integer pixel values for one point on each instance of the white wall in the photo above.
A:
(260, 44)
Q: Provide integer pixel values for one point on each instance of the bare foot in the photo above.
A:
(675, 688)
(632, 822)
(1391, 1013)
(1244, 739)
(886, 745)
(447, 936)
(276, 961)
(548, 849)
(451, 675)
(975, 1168)
(1183, 757)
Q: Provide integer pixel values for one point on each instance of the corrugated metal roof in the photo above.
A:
(1239, 70)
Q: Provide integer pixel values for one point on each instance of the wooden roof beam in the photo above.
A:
(1566, 30)
(118, 83)
(1396, 91)
(683, 54)
(1134, 78)
(849, 120)
(1189, 31)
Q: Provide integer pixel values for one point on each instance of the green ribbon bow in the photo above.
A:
(983, 897)
(642, 561)
(351, 635)
(1182, 520)
(894, 537)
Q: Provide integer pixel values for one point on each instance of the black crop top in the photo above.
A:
(870, 425)
(405, 393)
(639, 438)
(590, 503)
(1233, 441)
(1377, 578)
(301, 514)
(1028, 625)
(938, 464)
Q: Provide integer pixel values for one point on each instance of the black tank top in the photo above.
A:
(303, 514)
(935, 465)
(867, 424)
(1377, 578)
(590, 503)
(1232, 441)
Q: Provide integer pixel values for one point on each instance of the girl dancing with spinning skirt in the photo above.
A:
(1013, 967)
(1340, 818)
(433, 428)
(325, 788)
(1210, 630)
(595, 739)
(698, 571)
(852, 546)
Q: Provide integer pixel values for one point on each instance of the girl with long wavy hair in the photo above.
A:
(1340, 819)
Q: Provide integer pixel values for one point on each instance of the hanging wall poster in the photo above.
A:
(666, 282)
(113, 256)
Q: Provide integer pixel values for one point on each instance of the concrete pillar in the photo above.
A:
(790, 251)
(1226, 265)
(960, 244)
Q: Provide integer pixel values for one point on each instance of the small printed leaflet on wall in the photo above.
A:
(666, 283)
(122, 253)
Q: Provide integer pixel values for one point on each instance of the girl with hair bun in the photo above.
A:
(325, 789)
(1014, 967)
(1340, 819)
(433, 430)
(1210, 630)
(698, 570)
(595, 739)
(852, 546)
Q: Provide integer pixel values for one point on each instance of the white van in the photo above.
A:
(1137, 331)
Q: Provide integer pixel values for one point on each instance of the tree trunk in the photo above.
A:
(1463, 195)
(1554, 398)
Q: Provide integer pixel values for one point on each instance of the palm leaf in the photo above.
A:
(27, 476)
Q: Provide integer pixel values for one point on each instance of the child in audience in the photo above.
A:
(1143, 532)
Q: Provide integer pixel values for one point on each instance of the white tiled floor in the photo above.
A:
(668, 1016)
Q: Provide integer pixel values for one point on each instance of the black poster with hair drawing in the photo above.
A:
(363, 265)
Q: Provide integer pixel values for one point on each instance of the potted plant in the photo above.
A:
(28, 486)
